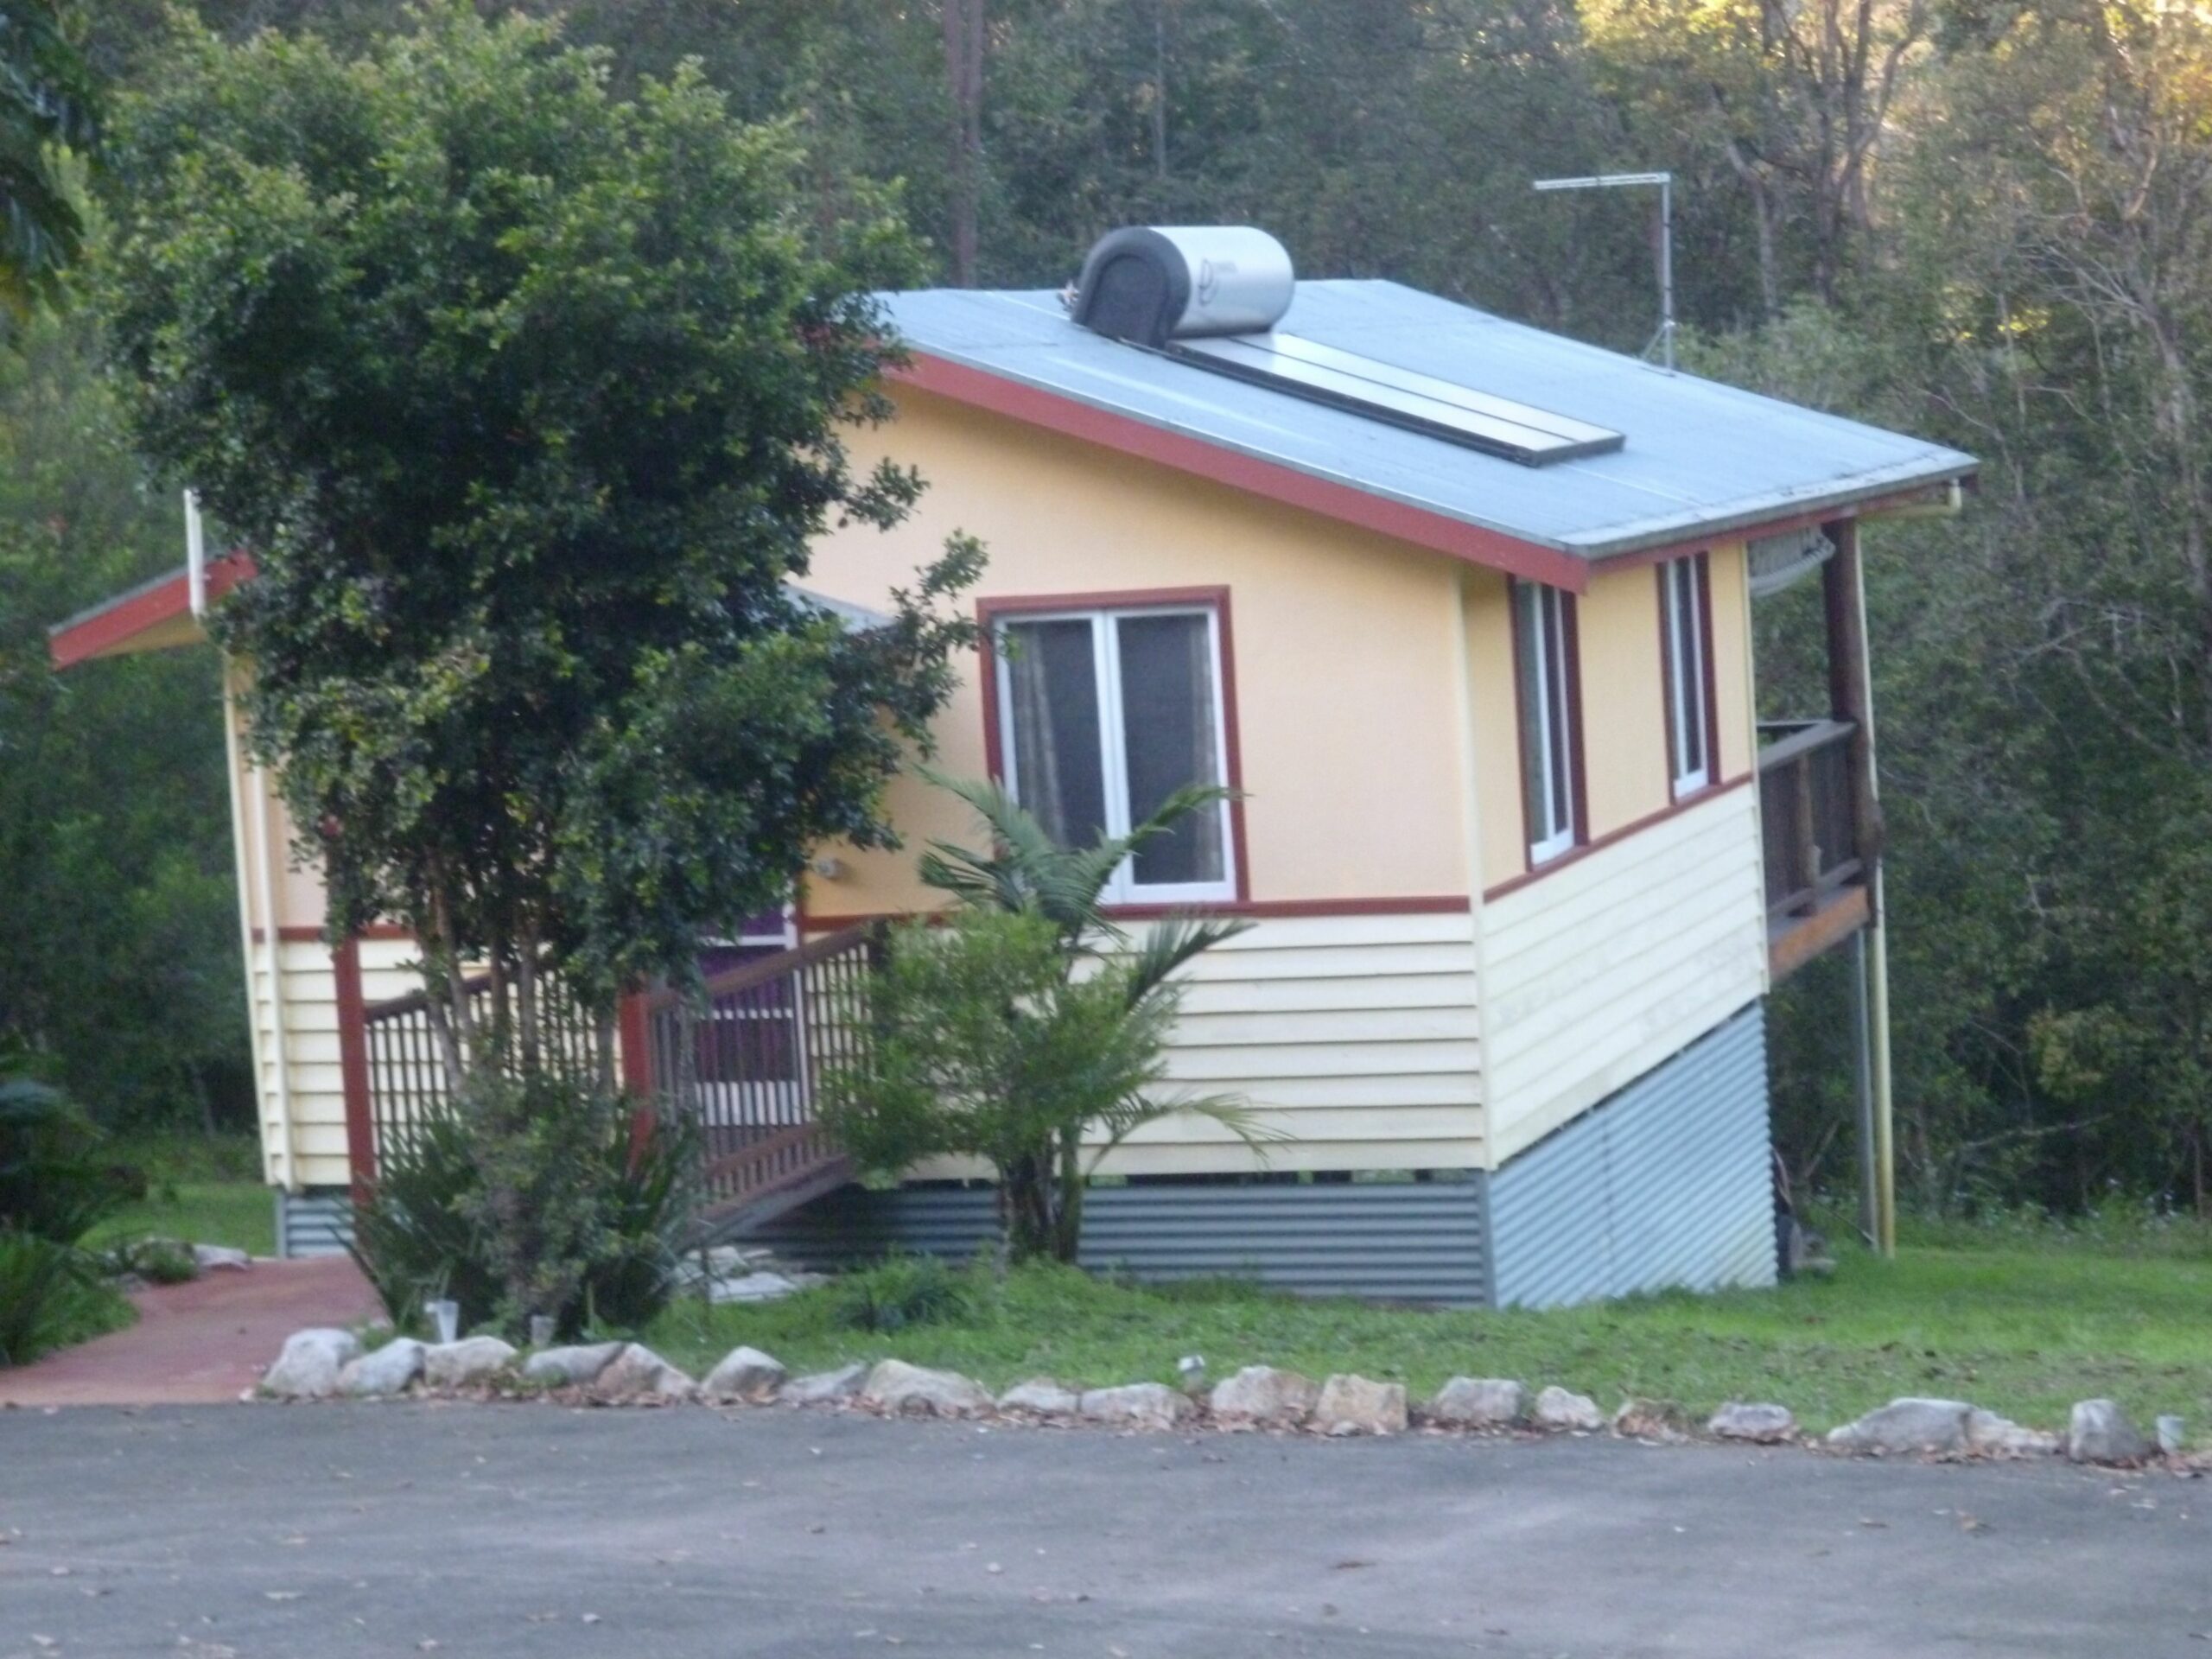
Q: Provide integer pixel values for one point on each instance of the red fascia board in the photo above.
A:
(104, 631)
(1035, 406)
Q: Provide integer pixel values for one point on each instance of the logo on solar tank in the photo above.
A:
(1210, 277)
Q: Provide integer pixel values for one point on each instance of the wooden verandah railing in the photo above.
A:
(742, 1060)
(1820, 835)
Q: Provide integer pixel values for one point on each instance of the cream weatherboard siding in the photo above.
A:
(313, 1152)
(1596, 972)
(1354, 1037)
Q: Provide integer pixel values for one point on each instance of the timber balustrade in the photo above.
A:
(742, 1059)
(1812, 814)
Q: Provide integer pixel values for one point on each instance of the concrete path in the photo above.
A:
(344, 1531)
(198, 1343)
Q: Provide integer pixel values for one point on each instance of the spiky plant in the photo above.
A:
(1028, 1029)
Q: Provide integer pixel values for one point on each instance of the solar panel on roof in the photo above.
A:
(1404, 397)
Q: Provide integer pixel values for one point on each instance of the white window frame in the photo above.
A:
(1689, 713)
(1122, 887)
(1556, 751)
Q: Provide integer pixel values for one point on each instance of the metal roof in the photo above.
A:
(1699, 457)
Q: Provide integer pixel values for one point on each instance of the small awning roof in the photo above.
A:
(1701, 459)
(157, 615)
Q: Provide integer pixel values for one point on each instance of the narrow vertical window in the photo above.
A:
(1543, 633)
(1105, 715)
(1686, 630)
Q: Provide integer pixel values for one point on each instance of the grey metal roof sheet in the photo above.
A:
(1699, 457)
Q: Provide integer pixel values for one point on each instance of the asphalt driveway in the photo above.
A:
(330, 1531)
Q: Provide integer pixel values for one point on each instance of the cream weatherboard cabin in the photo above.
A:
(1461, 610)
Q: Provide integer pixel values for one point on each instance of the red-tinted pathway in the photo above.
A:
(198, 1343)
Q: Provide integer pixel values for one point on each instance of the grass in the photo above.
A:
(203, 1190)
(2026, 1324)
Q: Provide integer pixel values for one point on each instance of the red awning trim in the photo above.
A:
(105, 629)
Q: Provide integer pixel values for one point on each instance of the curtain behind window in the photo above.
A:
(1053, 686)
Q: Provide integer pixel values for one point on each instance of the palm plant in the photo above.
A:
(1029, 1030)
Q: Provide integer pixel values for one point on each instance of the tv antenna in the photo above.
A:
(1664, 340)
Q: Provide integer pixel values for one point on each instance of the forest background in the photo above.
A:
(1987, 223)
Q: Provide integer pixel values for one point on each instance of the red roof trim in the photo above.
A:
(1056, 413)
(104, 631)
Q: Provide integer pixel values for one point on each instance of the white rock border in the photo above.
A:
(324, 1364)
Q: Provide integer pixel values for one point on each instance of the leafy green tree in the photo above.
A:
(529, 398)
(47, 108)
(1025, 1028)
(120, 961)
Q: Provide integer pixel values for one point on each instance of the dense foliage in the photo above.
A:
(1023, 1029)
(546, 1199)
(1981, 222)
(119, 960)
(529, 398)
(54, 1188)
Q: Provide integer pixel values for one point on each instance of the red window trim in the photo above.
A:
(989, 611)
(1584, 849)
(1577, 782)
(1257, 909)
(1704, 570)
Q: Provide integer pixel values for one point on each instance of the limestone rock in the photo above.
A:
(2000, 1437)
(823, 1388)
(1041, 1397)
(1761, 1423)
(2173, 1436)
(570, 1367)
(895, 1386)
(1477, 1402)
(744, 1374)
(1136, 1405)
(761, 1287)
(205, 1256)
(466, 1363)
(638, 1373)
(308, 1366)
(1907, 1425)
(1262, 1395)
(2099, 1432)
(1652, 1419)
(1357, 1405)
(391, 1369)
(1562, 1408)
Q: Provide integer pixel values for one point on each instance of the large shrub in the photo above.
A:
(536, 1196)
(1025, 1025)
(50, 1295)
(53, 1185)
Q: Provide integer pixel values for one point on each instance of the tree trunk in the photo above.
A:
(963, 73)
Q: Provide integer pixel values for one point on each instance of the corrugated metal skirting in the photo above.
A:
(1400, 1241)
(317, 1222)
(1668, 1182)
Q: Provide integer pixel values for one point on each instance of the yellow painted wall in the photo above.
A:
(1345, 662)
(1729, 572)
(1624, 701)
(1487, 616)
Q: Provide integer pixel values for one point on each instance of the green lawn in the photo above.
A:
(2025, 1328)
(241, 1214)
(203, 1191)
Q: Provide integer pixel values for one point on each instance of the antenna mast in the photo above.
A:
(1665, 337)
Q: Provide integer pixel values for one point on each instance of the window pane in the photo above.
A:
(1052, 698)
(1167, 726)
(1556, 722)
(1535, 745)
